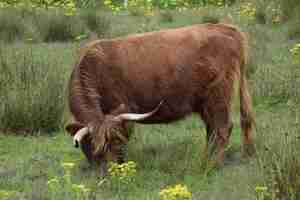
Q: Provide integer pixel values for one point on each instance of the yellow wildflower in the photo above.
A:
(123, 171)
(248, 10)
(68, 165)
(260, 189)
(175, 193)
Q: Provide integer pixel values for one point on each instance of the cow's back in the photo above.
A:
(171, 65)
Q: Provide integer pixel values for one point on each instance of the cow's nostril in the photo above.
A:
(76, 145)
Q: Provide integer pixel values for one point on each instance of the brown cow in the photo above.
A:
(189, 69)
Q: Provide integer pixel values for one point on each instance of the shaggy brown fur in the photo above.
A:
(193, 69)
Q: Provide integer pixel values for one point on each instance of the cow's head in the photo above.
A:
(103, 142)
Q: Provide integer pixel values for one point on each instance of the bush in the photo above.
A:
(11, 26)
(294, 29)
(289, 8)
(210, 19)
(209, 16)
(140, 8)
(166, 16)
(54, 25)
(39, 25)
(98, 23)
(279, 161)
(261, 16)
(32, 90)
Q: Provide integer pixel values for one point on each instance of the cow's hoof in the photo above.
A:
(249, 150)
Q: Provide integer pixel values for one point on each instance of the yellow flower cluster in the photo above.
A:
(247, 10)
(177, 192)
(123, 171)
(276, 14)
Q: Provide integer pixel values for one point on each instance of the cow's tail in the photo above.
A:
(247, 117)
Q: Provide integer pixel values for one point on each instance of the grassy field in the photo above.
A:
(32, 167)
(164, 154)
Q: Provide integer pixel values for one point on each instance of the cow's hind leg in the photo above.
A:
(216, 116)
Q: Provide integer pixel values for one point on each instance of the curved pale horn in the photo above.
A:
(79, 135)
(137, 117)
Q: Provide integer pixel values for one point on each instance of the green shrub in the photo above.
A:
(290, 8)
(279, 160)
(166, 16)
(294, 29)
(261, 16)
(12, 25)
(210, 19)
(32, 90)
(39, 25)
(98, 23)
(139, 8)
(54, 25)
(209, 16)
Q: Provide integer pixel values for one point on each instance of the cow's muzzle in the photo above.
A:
(79, 136)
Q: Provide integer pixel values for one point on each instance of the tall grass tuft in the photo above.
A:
(54, 25)
(98, 23)
(279, 160)
(11, 26)
(294, 28)
(290, 8)
(166, 16)
(32, 90)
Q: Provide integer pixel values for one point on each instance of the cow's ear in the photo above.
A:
(72, 128)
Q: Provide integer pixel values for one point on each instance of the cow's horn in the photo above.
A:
(137, 117)
(79, 135)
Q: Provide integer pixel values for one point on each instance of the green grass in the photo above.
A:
(165, 155)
